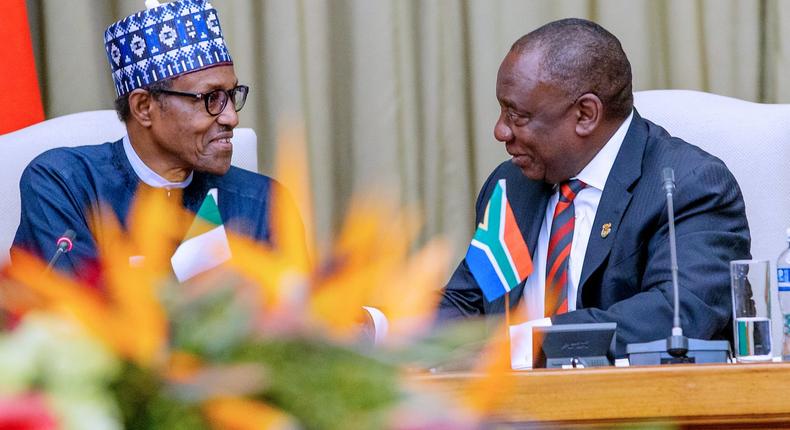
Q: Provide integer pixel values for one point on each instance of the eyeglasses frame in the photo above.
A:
(205, 96)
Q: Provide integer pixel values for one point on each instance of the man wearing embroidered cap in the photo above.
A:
(179, 96)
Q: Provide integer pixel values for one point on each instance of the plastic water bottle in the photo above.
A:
(783, 282)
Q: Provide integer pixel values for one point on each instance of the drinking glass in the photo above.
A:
(751, 309)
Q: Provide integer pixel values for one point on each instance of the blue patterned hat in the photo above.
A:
(164, 41)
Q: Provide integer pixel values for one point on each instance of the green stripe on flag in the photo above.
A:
(490, 236)
(206, 243)
(207, 218)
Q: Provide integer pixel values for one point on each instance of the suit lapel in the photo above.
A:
(626, 170)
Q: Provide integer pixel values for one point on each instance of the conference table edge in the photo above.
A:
(676, 393)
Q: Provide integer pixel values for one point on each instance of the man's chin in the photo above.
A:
(217, 169)
(529, 170)
(222, 170)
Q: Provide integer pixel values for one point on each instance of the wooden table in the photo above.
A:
(692, 396)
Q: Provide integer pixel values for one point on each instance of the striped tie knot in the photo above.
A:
(569, 189)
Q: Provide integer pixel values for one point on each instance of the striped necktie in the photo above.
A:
(556, 301)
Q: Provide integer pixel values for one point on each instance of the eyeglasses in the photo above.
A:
(216, 100)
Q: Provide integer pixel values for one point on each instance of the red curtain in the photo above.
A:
(20, 98)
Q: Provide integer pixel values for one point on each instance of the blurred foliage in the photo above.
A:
(325, 386)
(276, 337)
(145, 405)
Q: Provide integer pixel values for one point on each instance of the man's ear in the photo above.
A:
(141, 106)
(589, 114)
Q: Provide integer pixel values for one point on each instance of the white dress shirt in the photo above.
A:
(148, 176)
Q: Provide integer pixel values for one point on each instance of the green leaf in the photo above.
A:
(145, 405)
(325, 386)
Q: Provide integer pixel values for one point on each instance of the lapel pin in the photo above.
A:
(606, 229)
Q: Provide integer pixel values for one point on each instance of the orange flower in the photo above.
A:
(233, 413)
(410, 299)
(130, 321)
(497, 382)
(183, 366)
(369, 264)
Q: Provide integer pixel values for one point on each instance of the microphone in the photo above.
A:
(669, 182)
(677, 344)
(677, 348)
(64, 244)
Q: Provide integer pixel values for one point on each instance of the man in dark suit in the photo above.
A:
(585, 186)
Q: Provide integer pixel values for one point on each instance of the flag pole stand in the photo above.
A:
(507, 326)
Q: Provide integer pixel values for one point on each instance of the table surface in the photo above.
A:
(696, 395)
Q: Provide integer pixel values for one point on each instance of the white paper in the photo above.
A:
(521, 343)
(380, 324)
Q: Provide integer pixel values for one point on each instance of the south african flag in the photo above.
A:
(498, 257)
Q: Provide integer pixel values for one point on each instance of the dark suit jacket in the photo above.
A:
(626, 276)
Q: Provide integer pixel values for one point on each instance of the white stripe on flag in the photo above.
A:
(201, 253)
(487, 250)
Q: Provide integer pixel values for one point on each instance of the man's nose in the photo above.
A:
(502, 131)
(229, 116)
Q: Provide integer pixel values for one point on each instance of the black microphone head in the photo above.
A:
(66, 240)
(69, 234)
(669, 179)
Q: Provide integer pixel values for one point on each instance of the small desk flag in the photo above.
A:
(498, 257)
(206, 243)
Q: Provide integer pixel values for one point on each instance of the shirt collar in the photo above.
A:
(595, 173)
(148, 176)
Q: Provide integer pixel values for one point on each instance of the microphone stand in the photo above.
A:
(677, 343)
(677, 348)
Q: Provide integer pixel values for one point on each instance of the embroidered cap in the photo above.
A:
(164, 41)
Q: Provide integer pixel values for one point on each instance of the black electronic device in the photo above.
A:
(574, 345)
(698, 351)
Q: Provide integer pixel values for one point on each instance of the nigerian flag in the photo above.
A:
(205, 245)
